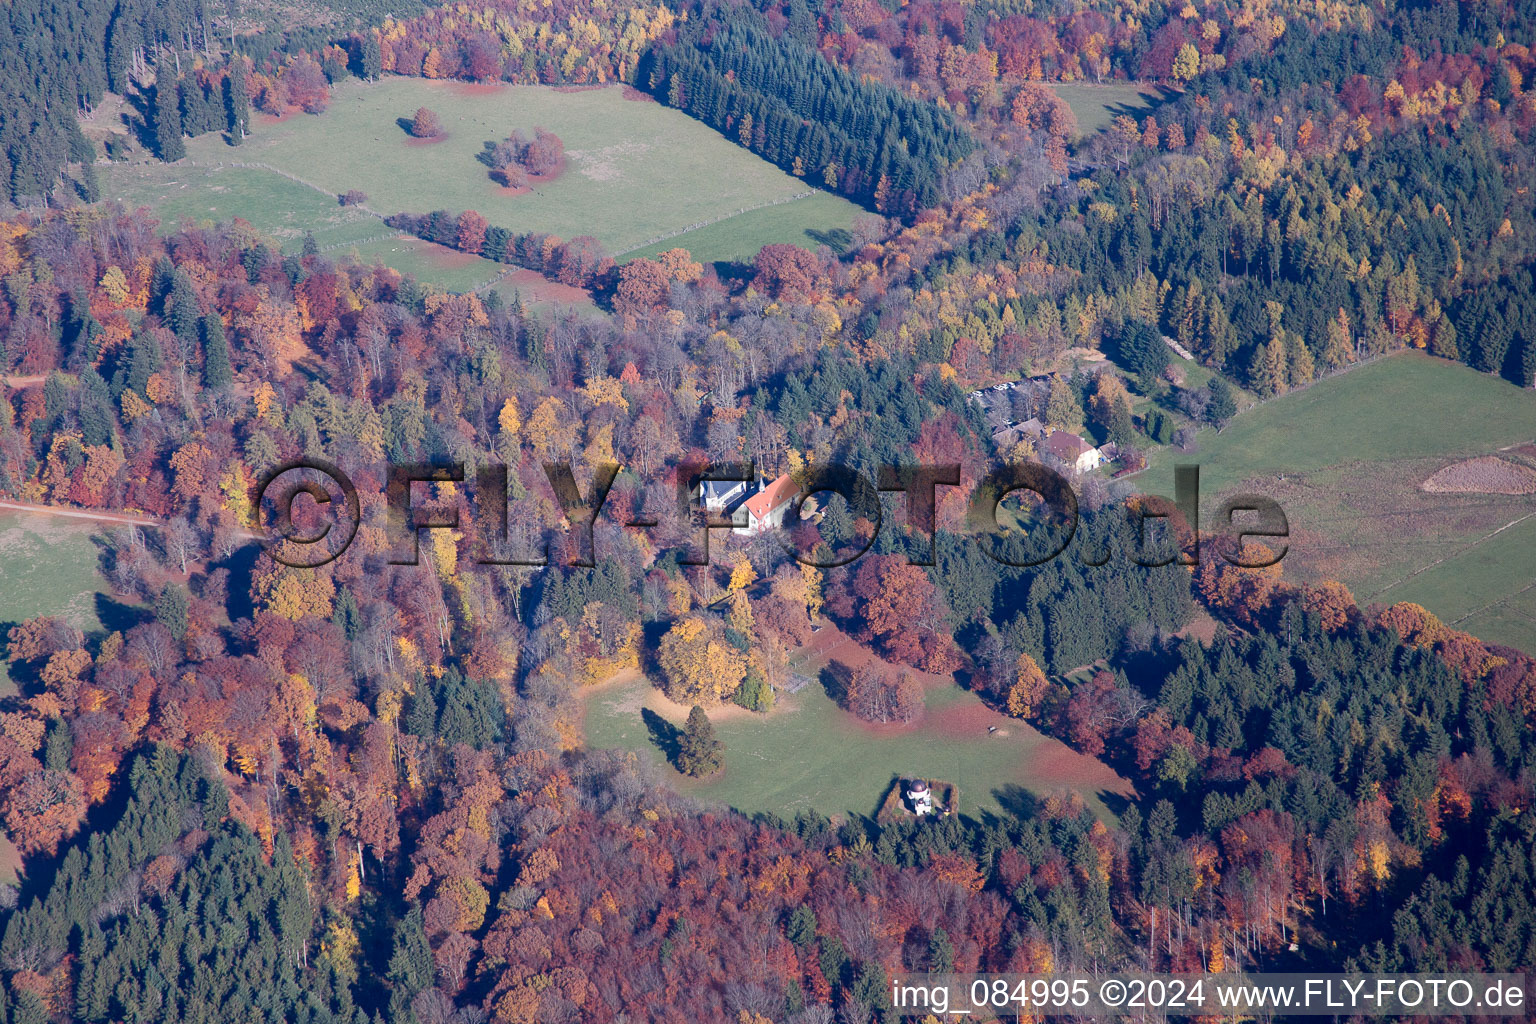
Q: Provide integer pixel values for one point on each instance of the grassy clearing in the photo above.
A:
(1095, 106)
(47, 567)
(634, 169)
(274, 205)
(10, 862)
(810, 754)
(810, 222)
(285, 211)
(439, 265)
(1345, 458)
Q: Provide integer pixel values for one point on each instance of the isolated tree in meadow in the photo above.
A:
(699, 752)
(875, 694)
(1222, 405)
(426, 125)
(542, 156)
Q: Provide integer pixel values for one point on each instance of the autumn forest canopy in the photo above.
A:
(1077, 236)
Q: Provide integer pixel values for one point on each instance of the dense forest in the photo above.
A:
(403, 738)
(360, 792)
(796, 110)
(57, 61)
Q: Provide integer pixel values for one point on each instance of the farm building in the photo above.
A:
(1072, 451)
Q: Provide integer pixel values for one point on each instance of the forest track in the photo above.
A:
(114, 518)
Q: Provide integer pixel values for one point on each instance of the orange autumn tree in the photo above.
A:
(42, 811)
(426, 124)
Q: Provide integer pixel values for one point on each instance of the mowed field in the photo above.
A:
(810, 754)
(1346, 459)
(635, 170)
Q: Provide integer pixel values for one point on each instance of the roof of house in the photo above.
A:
(1066, 445)
(720, 488)
(1007, 438)
(772, 496)
(1033, 427)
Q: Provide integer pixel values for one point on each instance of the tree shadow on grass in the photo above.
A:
(1016, 801)
(667, 737)
(1149, 101)
(732, 273)
(834, 678)
(836, 239)
(118, 616)
(1115, 803)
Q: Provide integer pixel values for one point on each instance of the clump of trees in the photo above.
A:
(426, 124)
(519, 159)
(876, 694)
(779, 98)
(700, 662)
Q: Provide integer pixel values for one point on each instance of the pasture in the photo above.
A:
(635, 170)
(809, 754)
(1346, 458)
(810, 222)
(276, 206)
(285, 210)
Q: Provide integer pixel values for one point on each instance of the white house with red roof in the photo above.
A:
(765, 510)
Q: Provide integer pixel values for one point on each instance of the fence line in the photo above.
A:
(257, 165)
(365, 241)
(706, 223)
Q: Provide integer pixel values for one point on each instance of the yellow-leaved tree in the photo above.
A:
(292, 593)
(511, 421)
(1030, 687)
(699, 665)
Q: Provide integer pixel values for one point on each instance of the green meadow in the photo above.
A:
(809, 754)
(1346, 457)
(635, 170)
